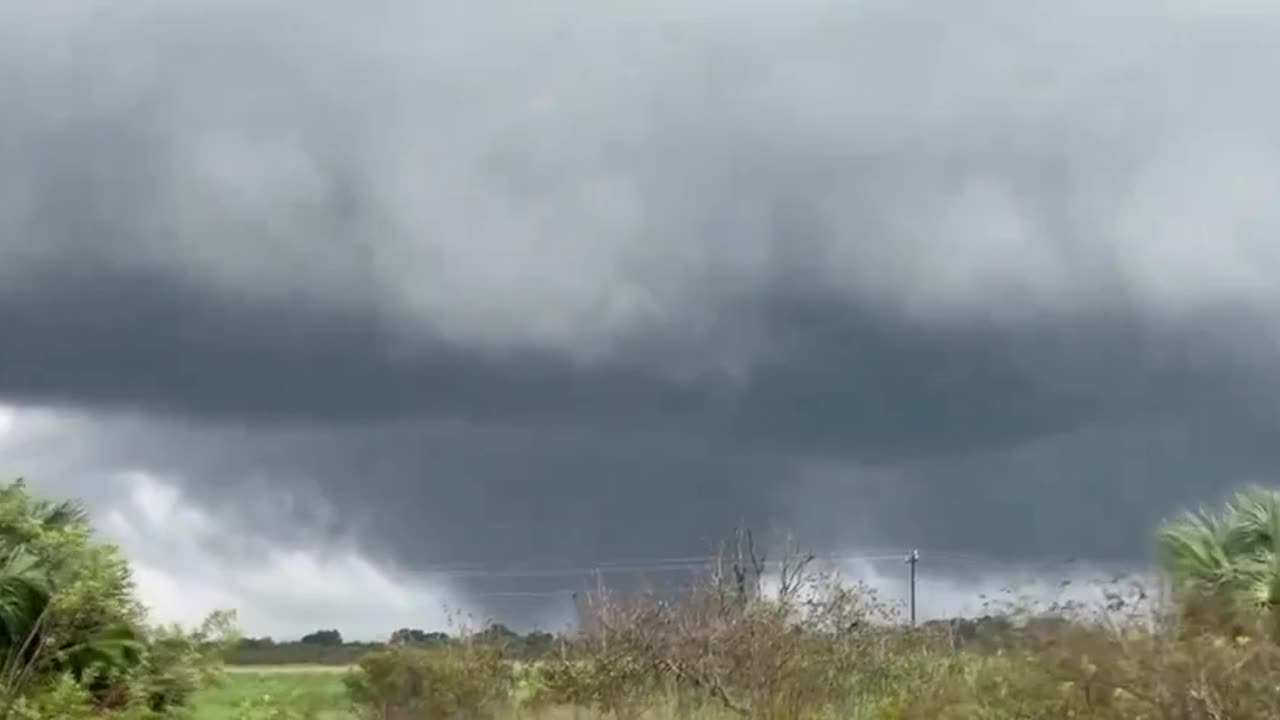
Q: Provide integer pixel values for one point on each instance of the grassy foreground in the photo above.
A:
(314, 692)
(312, 689)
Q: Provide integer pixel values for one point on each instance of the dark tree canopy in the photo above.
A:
(414, 636)
(322, 637)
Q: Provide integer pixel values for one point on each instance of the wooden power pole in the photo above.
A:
(912, 559)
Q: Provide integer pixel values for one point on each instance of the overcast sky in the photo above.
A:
(314, 301)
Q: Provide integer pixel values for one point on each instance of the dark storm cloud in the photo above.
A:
(1093, 495)
(847, 383)
(575, 281)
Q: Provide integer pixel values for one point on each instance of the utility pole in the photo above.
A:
(912, 559)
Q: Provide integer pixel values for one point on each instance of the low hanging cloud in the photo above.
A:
(511, 284)
(188, 561)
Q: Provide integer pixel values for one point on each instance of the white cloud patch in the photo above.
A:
(283, 591)
(188, 561)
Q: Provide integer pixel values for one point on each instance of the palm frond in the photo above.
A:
(1253, 520)
(61, 514)
(1193, 550)
(24, 595)
(110, 648)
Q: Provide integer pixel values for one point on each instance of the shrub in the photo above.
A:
(178, 663)
(811, 647)
(993, 687)
(1130, 662)
(61, 698)
(1166, 672)
(65, 698)
(611, 682)
(468, 680)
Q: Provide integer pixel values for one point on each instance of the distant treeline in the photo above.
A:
(328, 647)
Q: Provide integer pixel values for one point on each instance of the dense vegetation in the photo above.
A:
(73, 636)
(750, 639)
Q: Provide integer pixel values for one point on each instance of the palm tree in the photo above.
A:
(24, 596)
(1228, 562)
(25, 599)
(38, 635)
(40, 515)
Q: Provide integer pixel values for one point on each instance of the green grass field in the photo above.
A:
(311, 691)
(313, 687)
(316, 692)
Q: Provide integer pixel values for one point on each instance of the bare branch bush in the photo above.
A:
(757, 639)
(1137, 654)
(1147, 654)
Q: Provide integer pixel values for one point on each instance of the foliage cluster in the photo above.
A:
(73, 637)
(466, 681)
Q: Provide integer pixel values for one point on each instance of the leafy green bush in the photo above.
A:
(61, 698)
(65, 698)
(614, 683)
(177, 663)
(74, 610)
(73, 638)
(467, 680)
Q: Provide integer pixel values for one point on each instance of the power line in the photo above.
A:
(616, 567)
(691, 563)
(702, 562)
